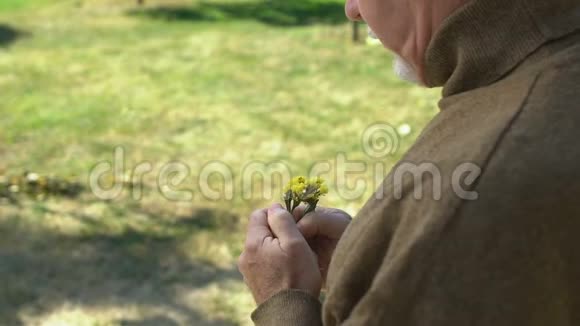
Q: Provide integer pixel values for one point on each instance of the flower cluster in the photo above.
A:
(302, 190)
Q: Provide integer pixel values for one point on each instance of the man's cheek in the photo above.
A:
(391, 23)
(377, 30)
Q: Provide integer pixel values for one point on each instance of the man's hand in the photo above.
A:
(277, 257)
(322, 229)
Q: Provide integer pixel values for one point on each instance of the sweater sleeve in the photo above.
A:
(289, 308)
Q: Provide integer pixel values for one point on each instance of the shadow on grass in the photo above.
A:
(272, 12)
(9, 35)
(42, 270)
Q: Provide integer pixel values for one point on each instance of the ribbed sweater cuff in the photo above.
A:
(289, 307)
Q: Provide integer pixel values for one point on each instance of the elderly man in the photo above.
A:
(511, 76)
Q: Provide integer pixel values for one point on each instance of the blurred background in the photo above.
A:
(189, 81)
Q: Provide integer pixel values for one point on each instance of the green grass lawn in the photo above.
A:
(230, 81)
(13, 5)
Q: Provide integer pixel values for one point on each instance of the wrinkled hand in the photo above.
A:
(277, 257)
(322, 230)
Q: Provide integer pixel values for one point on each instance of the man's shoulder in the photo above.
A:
(537, 157)
(545, 131)
(555, 69)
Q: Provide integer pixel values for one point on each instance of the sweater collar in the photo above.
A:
(486, 39)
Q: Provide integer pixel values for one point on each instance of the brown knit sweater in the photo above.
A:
(511, 76)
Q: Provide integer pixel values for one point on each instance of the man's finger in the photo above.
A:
(258, 218)
(325, 222)
(258, 229)
(282, 224)
(298, 212)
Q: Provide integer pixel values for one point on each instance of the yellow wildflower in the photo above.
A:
(318, 181)
(302, 190)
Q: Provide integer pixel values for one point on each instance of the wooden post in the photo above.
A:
(140, 2)
(356, 32)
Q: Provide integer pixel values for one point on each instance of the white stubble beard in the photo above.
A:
(402, 68)
(405, 71)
